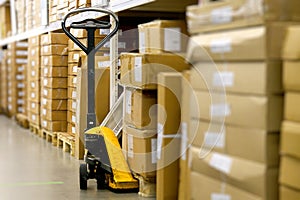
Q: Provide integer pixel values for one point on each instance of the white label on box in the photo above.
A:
(74, 105)
(44, 101)
(45, 91)
(160, 130)
(221, 162)
(172, 39)
(33, 117)
(153, 150)
(73, 118)
(33, 84)
(44, 123)
(220, 110)
(225, 79)
(73, 130)
(184, 140)
(21, 44)
(74, 94)
(122, 45)
(221, 15)
(130, 145)
(128, 101)
(46, 60)
(217, 196)
(32, 73)
(74, 69)
(76, 46)
(46, 49)
(222, 45)
(45, 82)
(21, 68)
(32, 95)
(33, 63)
(21, 61)
(76, 56)
(74, 80)
(103, 64)
(44, 111)
(21, 85)
(46, 70)
(9, 99)
(21, 94)
(33, 105)
(142, 42)
(106, 45)
(32, 52)
(104, 31)
(20, 110)
(9, 61)
(9, 107)
(20, 101)
(214, 139)
(21, 53)
(138, 69)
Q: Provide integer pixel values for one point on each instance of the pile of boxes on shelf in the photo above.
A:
(5, 22)
(3, 79)
(235, 102)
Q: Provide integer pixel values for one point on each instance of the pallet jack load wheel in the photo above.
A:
(101, 182)
(83, 176)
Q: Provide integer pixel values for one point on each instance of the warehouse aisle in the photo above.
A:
(32, 168)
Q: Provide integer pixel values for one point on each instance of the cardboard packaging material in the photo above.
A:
(262, 77)
(54, 38)
(56, 49)
(258, 179)
(81, 33)
(246, 44)
(73, 69)
(58, 93)
(140, 108)
(162, 36)
(57, 126)
(73, 81)
(75, 56)
(72, 105)
(261, 112)
(291, 50)
(289, 172)
(72, 93)
(34, 95)
(71, 129)
(71, 117)
(33, 107)
(251, 144)
(140, 148)
(290, 138)
(34, 118)
(141, 70)
(291, 69)
(287, 193)
(58, 72)
(54, 60)
(52, 115)
(34, 41)
(291, 106)
(205, 187)
(52, 104)
(54, 82)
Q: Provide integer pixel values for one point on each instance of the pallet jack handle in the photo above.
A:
(91, 25)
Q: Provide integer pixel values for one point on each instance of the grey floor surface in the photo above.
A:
(31, 168)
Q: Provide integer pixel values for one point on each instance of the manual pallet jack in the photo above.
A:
(104, 159)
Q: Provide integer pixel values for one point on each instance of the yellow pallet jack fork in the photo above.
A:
(104, 159)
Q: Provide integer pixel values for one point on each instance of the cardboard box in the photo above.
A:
(74, 47)
(73, 81)
(205, 187)
(251, 144)
(287, 193)
(72, 105)
(289, 172)
(71, 117)
(34, 95)
(54, 82)
(72, 93)
(258, 179)
(59, 72)
(291, 50)
(262, 77)
(52, 104)
(261, 112)
(33, 107)
(162, 36)
(290, 138)
(141, 70)
(291, 69)
(56, 126)
(140, 148)
(57, 49)
(75, 56)
(34, 41)
(247, 44)
(164, 6)
(54, 61)
(291, 106)
(54, 38)
(73, 69)
(140, 108)
(53, 115)
(34, 118)
(71, 129)
(58, 93)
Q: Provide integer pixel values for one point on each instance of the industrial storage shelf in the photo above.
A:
(115, 6)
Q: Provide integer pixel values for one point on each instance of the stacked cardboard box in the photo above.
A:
(3, 77)
(62, 8)
(36, 13)
(20, 13)
(5, 21)
(16, 60)
(53, 11)
(289, 149)
(54, 62)
(33, 81)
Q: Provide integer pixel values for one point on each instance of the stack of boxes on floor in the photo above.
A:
(235, 101)
(54, 62)
(16, 65)
(33, 81)
(3, 78)
(139, 75)
(290, 131)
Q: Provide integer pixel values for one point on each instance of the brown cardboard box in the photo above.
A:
(81, 33)
(291, 106)
(73, 69)
(75, 56)
(287, 193)
(53, 115)
(258, 179)
(162, 36)
(247, 44)
(34, 107)
(52, 104)
(73, 81)
(290, 139)
(71, 129)
(261, 77)
(54, 38)
(72, 105)
(140, 110)
(74, 47)
(57, 93)
(34, 95)
(54, 61)
(71, 117)
(54, 82)
(261, 112)
(48, 71)
(34, 85)
(205, 187)
(291, 50)
(252, 144)
(34, 118)
(72, 93)
(289, 172)
(57, 49)
(34, 41)
(140, 147)
(60, 126)
(141, 70)
(291, 70)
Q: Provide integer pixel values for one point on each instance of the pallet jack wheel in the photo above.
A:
(83, 176)
(101, 182)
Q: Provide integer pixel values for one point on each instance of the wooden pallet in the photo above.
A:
(67, 142)
(147, 186)
(22, 120)
(49, 136)
(35, 129)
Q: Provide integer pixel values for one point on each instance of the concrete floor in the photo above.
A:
(32, 168)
